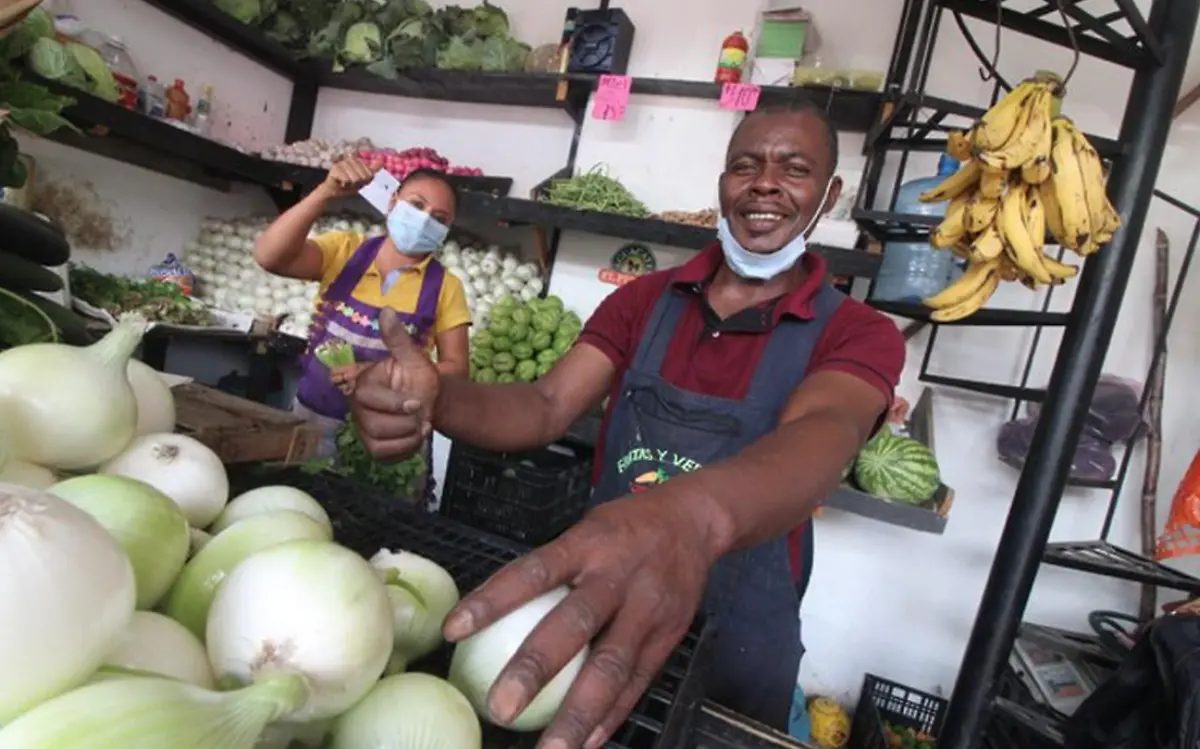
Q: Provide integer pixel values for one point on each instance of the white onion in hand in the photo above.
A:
(72, 406)
(155, 402)
(479, 659)
(182, 468)
(155, 644)
(147, 524)
(310, 608)
(409, 711)
(193, 593)
(270, 499)
(66, 597)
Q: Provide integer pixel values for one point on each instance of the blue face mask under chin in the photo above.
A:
(413, 231)
(761, 266)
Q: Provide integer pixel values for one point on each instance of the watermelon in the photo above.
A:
(897, 468)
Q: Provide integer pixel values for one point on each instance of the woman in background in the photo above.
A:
(361, 275)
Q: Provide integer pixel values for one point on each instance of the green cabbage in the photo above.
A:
(549, 356)
(541, 340)
(519, 332)
(487, 374)
(504, 362)
(499, 326)
(363, 43)
(546, 321)
(503, 54)
(522, 350)
(501, 343)
(489, 20)
(99, 78)
(482, 357)
(521, 315)
(37, 25)
(49, 59)
(483, 339)
(460, 55)
(526, 371)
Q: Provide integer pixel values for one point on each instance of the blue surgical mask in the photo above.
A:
(413, 231)
(761, 266)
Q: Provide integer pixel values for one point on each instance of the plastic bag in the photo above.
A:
(1114, 414)
(1093, 459)
(1181, 536)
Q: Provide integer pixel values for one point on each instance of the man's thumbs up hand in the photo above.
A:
(393, 399)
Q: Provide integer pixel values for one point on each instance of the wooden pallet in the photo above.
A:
(242, 431)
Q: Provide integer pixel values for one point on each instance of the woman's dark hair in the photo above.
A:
(424, 173)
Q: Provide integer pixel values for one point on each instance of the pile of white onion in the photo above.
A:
(489, 273)
(135, 588)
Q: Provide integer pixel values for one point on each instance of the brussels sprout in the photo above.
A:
(482, 357)
(541, 340)
(522, 316)
(499, 326)
(504, 377)
(549, 356)
(487, 374)
(546, 320)
(482, 339)
(552, 303)
(501, 343)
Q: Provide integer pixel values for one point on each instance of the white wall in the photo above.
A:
(883, 599)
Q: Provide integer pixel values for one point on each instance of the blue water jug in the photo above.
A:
(914, 270)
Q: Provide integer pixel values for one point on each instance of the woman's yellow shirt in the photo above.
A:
(337, 247)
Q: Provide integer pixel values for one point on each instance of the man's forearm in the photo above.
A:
(773, 485)
(511, 416)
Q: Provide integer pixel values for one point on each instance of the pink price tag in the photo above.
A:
(740, 97)
(612, 97)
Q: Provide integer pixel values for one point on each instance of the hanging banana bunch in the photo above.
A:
(1026, 170)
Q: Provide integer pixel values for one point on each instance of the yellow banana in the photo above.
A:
(998, 123)
(1068, 187)
(1052, 212)
(992, 182)
(1028, 136)
(1009, 271)
(951, 229)
(988, 245)
(966, 286)
(981, 212)
(972, 304)
(954, 185)
(958, 145)
(1060, 271)
(1018, 243)
(1036, 172)
(961, 249)
(1094, 183)
(1034, 213)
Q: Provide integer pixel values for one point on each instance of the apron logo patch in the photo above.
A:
(668, 464)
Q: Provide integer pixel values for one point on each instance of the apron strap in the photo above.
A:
(785, 361)
(652, 349)
(347, 280)
(431, 291)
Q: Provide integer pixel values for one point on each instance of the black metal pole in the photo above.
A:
(1144, 131)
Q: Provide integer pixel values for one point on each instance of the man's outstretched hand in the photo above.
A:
(637, 567)
(393, 399)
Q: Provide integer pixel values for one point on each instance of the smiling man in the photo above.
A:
(741, 384)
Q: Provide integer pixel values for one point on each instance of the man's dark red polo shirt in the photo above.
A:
(718, 357)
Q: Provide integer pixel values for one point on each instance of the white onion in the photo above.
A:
(66, 596)
(182, 468)
(155, 402)
(22, 473)
(155, 644)
(192, 595)
(71, 407)
(321, 600)
(422, 594)
(148, 525)
(409, 711)
(267, 499)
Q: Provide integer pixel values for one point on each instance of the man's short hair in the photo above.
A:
(800, 105)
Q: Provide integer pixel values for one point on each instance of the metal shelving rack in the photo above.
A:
(1155, 47)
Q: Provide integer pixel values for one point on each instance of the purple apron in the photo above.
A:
(339, 316)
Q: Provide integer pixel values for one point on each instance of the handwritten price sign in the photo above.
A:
(612, 97)
(740, 97)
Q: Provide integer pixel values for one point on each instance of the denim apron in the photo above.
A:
(339, 316)
(657, 431)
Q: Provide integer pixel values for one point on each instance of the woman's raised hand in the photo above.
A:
(348, 176)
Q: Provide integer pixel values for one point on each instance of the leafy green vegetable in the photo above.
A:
(335, 354)
(595, 191)
(489, 20)
(460, 54)
(404, 480)
(21, 322)
(284, 28)
(155, 300)
(37, 25)
(500, 54)
(246, 11)
(363, 44)
(100, 80)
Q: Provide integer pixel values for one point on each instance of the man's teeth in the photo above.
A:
(764, 216)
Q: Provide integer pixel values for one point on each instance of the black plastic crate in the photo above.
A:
(366, 520)
(886, 701)
(529, 497)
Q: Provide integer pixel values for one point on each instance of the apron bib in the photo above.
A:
(341, 317)
(657, 431)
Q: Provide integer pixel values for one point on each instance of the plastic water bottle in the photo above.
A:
(913, 270)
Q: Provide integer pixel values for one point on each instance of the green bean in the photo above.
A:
(595, 191)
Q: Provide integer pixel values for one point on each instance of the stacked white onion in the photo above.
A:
(136, 588)
(489, 273)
